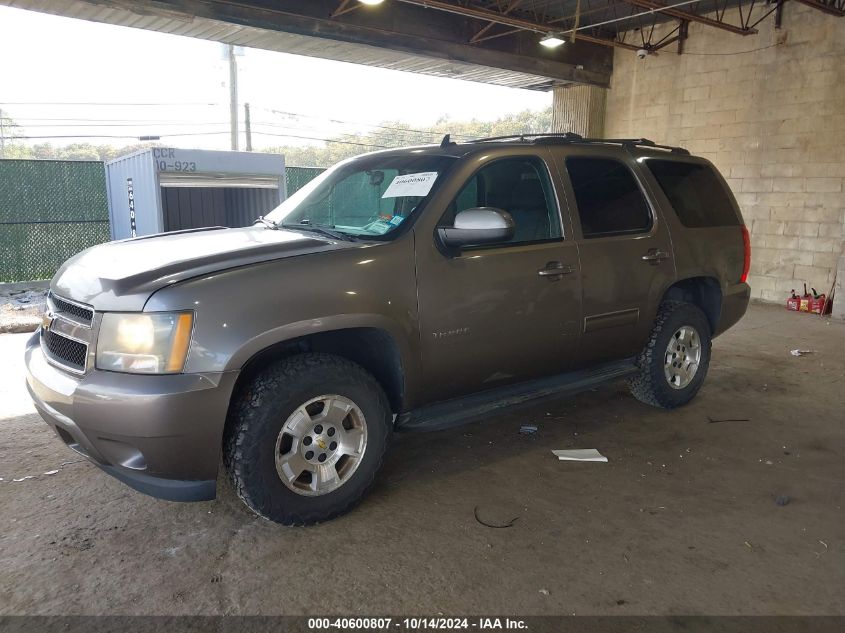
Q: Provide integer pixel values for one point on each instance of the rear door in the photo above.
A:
(698, 204)
(625, 250)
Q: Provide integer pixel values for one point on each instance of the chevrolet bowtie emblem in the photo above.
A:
(47, 320)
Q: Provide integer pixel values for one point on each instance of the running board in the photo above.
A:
(457, 411)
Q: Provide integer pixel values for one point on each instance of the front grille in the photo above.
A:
(65, 350)
(78, 312)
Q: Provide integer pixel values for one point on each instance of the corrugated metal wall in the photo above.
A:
(52, 209)
(49, 211)
(192, 207)
(244, 205)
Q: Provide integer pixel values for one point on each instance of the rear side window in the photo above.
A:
(695, 192)
(609, 199)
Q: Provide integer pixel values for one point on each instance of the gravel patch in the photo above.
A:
(21, 308)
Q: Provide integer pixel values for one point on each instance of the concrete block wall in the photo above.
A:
(772, 121)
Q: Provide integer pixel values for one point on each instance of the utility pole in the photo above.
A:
(248, 128)
(233, 96)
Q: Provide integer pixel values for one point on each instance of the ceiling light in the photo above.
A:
(371, 2)
(552, 40)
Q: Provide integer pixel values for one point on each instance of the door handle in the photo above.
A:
(555, 269)
(655, 256)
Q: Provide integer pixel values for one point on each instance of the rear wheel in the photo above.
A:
(674, 363)
(306, 437)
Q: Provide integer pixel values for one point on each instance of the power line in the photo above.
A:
(408, 139)
(341, 121)
(86, 125)
(104, 103)
(325, 140)
(118, 136)
(430, 133)
(202, 133)
(405, 135)
(28, 137)
(74, 120)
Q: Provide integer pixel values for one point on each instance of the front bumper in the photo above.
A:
(160, 435)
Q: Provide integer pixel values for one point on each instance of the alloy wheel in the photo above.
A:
(320, 445)
(683, 356)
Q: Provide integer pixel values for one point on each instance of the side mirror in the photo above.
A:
(481, 225)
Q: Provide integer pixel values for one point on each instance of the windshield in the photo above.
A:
(369, 196)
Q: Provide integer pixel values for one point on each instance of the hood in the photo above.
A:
(122, 275)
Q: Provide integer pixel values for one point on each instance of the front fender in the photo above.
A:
(240, 312)
(332, 323)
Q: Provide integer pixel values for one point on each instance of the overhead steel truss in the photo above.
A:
(831, 7)
(618, 19)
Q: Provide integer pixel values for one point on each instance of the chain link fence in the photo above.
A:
(297, 177)
(49, 211)
(52, 209)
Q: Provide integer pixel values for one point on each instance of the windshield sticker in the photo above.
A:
(411, 185)
(379, 227)
(396, 220)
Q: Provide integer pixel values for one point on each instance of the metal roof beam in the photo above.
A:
(692, 17)
(830, 8)
(507, 20)
(399, 36)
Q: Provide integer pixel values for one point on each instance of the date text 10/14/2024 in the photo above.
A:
(417, 624)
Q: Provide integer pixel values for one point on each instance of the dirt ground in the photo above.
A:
(21, 306)
(683, 518)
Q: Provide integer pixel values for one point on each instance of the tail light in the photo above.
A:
(746, 244)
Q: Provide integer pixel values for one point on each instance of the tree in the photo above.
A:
(73, 151)
(9, 131)
(399, 133)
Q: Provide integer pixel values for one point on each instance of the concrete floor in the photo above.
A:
(682, 520)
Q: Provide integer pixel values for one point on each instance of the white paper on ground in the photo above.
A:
(411, 185)
(580, 455)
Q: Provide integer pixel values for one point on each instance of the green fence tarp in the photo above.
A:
(49, 211)
(52, 209)
(297, 177)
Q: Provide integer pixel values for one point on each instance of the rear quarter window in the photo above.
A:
(696, 193)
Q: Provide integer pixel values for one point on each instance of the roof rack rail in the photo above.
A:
(523, 137)
(572, 137)
(639, 142)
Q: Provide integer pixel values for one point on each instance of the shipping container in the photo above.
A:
(168, 189)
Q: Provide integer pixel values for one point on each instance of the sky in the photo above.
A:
(51, 65)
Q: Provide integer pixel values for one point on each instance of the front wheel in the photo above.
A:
(674, 363)
(306, 437)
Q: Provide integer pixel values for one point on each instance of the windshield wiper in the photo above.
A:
(322, 230)
(268, 223)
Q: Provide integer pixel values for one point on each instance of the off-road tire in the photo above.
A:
(649, 385)
(257, 414)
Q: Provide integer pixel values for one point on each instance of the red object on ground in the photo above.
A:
(808, 303)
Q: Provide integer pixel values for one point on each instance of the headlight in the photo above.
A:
(154, 343)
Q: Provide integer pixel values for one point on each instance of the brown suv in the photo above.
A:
(404, 289)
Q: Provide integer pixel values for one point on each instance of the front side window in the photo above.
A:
(609, 199)
(365, 197)
(520, 186)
